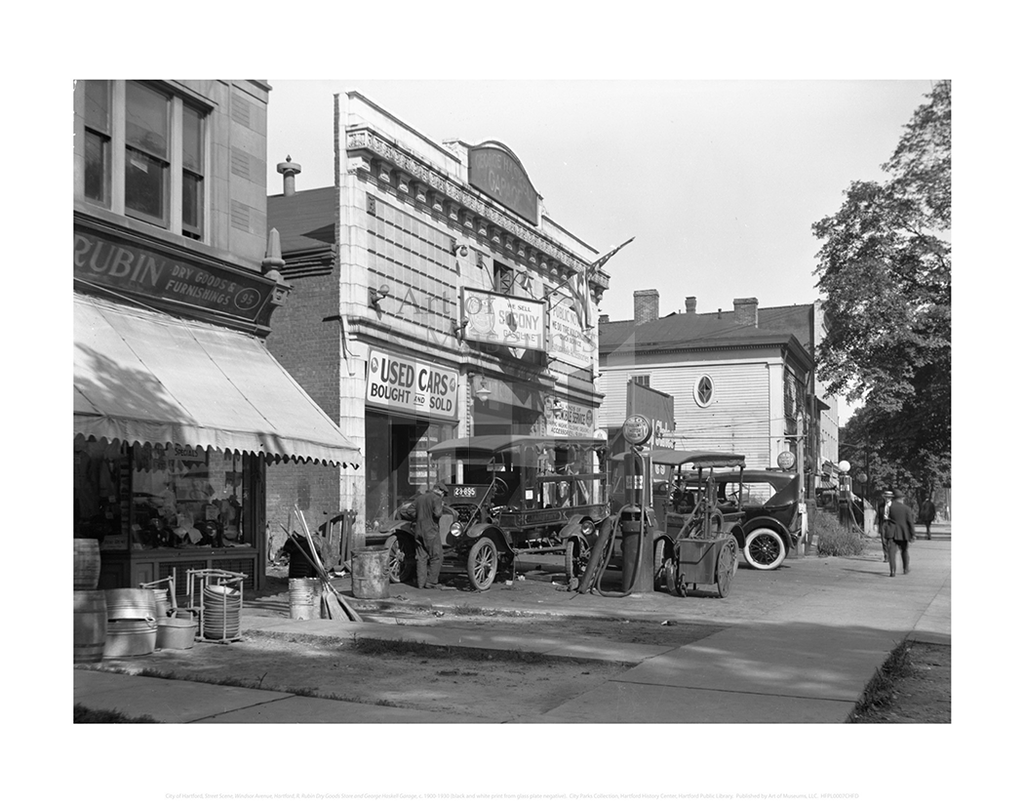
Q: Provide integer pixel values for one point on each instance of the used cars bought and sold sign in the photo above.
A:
(398, 383)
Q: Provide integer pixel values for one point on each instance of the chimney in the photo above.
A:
(288, 169)
(602, 319)
(645, 306)
(746, 311)
(691, 304)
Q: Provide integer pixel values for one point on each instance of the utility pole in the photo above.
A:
(802, 505)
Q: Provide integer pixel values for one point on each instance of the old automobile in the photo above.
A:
(510, 496)
(760, 508)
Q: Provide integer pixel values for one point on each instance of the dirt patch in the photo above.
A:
(492, 685)
(915, 689)
(667, 632)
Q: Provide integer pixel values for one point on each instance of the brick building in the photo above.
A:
(432, 298)
(178, 405)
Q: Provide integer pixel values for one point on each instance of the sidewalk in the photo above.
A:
(806, 658)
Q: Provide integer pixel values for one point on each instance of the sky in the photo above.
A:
(718, 181)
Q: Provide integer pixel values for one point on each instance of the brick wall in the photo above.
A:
(309, 348)
(645, 306)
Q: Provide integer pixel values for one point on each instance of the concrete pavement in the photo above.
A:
(805, 659)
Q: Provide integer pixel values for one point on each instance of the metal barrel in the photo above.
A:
(370, 573)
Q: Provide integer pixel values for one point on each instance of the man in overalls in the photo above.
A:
(429, 550)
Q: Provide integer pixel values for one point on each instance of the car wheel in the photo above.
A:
(482, 563)
(577, 555)
(662, 555)
(401, 559)
(764, 549)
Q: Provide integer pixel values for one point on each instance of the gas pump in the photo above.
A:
(631, 522)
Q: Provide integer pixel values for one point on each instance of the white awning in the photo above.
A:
(147, 377)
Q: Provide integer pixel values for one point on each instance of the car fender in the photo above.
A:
(574, 528)
(660, 539)
(481, 530)
(388, 529)
(763, 522)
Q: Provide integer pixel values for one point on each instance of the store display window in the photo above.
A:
(100, 483)
(185, 497)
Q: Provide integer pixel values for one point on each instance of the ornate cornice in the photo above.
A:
(368, 141)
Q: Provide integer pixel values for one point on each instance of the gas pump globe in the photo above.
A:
(845, 494)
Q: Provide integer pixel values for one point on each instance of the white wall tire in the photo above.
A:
(764, 549)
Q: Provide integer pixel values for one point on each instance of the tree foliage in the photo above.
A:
(884, 268)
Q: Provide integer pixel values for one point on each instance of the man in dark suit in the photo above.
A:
(898, 532)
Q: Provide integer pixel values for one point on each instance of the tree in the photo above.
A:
(884, 268)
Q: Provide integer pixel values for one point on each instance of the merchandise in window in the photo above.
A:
(98, 482)
(187, 498)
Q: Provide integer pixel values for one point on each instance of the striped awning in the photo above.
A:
(148, 377)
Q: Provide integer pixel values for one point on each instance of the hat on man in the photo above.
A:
(898, 495)
(887, 494)
(441, 488)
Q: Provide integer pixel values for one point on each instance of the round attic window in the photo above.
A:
(704, 391)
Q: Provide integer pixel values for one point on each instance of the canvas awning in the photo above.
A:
(148, 377)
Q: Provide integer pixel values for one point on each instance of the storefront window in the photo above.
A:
(185, 497)
(100, 500)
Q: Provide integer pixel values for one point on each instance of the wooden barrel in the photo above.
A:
(87, 563)
(90, 625)
(370, 573)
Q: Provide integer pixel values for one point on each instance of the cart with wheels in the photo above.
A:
(701, 561)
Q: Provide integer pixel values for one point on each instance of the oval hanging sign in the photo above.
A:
(636, 429)
(786, 460)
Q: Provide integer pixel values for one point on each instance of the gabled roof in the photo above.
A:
(681, 331)
(305, 220)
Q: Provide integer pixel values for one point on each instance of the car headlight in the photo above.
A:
(587, 527)
(456, 529)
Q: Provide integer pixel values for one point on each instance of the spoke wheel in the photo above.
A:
(671, 577)
(577, 556)
(401, 559)
(662, 556)
(764, 549)
(726, 567)
(482, 563)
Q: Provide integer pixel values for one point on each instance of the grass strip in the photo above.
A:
(877, 697)
(91, 715)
